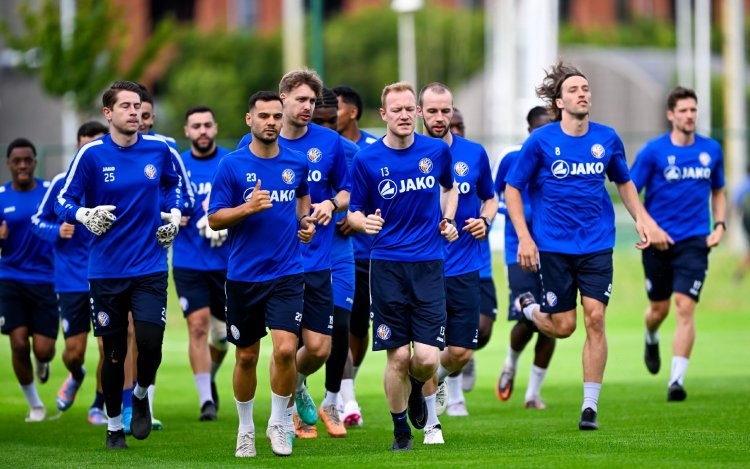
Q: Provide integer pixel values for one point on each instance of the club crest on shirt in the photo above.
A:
(425, 165)
(387, 189)
(314, 155)
(705, 158)
(235, 332)
(384, 332)
(551, 298)
(102, 318)
(461, 168)
(671, 172)
(597, 151)
(288, 175)
(150, 171)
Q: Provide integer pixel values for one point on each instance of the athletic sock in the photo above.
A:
(511, 361)
(455, 393)
(347, 390)
(114, 423)
(652, 337)
(416, 385)
(278, 409)
(300, 382)
(432, 418)
(151, 392)
(591, 395)
(679, 367)
(140, 392)
(400, 424)
(78, 374)
(536, 378)
(442, 372)
(98, 401)
(330, 399)
(245, 412)
(32, 396)
(529, 310)
(127, 398)
(203, 384)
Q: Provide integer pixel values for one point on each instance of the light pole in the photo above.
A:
(407, 41)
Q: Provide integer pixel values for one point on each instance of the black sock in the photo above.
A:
(148, 337)
(339, 349)
(416, 385)
(400, 424)
(113, 371)
(98, 400)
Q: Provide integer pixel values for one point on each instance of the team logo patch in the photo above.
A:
(102, 318)
(461, 168)
(671, 172)
(551, 298)
(288, 176)
(247, 194)
(597, 151)
(150, 171)
(235, 332)
(384, 332)
(387, 189)
(184, 303)
(314, 155)
(649, 285)
(65, 325)
(705, 158)
(560, 169)
(425, 165)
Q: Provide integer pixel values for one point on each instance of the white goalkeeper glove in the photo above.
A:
(98, 219)
(166, 234)
(216, 238)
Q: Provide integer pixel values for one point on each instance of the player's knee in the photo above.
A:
(285, 352)
(247, 357)
(19, 345)
(595, 322)
(149, 338)
(218, 335)
(115, 348)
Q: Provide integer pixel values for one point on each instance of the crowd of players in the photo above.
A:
(313, 228)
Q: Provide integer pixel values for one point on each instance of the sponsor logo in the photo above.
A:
(314, 155)
(102, 318)
(425, 165)
(384, 332)
(235, 332)
(705, 158)
(551, 298)
(150, 171)
(184, 304)
(461, 168)
(287, 195)
(387, 189)
(9, 209)
(288, 176)
(597, 151)
(560, 169)
(106, 169)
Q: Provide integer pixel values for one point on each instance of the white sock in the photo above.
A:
(511, 361)
(203, 384)
(151, 391)
(330, 398)
(355, 369)
(679, 367)
(442, 372)
(288, 419)
(432, 418)
(455, 393)
(591, 395)
(300, 382)
(536, 378)
(347, 390)
(32, 396)
(114, 423)
(245, 412)
(278, 409)
(139, 392)
(652, 337)
(529, 310)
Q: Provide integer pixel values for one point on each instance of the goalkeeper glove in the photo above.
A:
(98, 219)
(217, 238)
(166, 234)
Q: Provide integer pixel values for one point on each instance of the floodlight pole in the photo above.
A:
(407, 39)
(69, 117)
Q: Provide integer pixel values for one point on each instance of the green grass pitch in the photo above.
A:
(638, 427)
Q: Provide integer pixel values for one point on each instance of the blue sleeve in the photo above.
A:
(640, 173)
(188, 197)
(303, 189)
(485, 188)
(70, 196)
(221, 189)
(245, 141)
(525, 165)
(45, 223)
(358, 198)
(617, 170)
(171, 182)
(350, 149)
(340, 180)
(446, 161)
(502, 171)
(717, 176)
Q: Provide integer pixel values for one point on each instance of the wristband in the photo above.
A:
(451, 221)
(720, 223)
(486, 221)
(335, 203)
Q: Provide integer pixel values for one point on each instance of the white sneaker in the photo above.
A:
(457, 409)
(441, 398)
(36, 414)
(280, 443)
(352, 415)
(468, 375)
(433, 435)
(245, 445)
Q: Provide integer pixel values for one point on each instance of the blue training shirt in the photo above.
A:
(71, 255)
(341, 246)
(405, 185)
(24, 257)
(572, 212)
(326, 177)
(473, 177)
(263, 246)
(134, 179)
(678, 182)
(362, 242)
(191, 250)
(365, 139)
(511, 238)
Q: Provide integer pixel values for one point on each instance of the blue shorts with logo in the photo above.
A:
(112, 299)
(253, 306)
(32, 306)
(408, 303)
(199, 289)
(681, 268)
(359, 325)
(520, 281)
(74, 313)
(342, 277)
(462, 299)
(563, 275)
(488, 298)
(318, 310)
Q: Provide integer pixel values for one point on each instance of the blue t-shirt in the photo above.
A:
(24, 257)
(191, 250)
(405, 185)
(678, 182)
(473, 177)
(365, 139)
(341, 247)
(362, 242)
(511, 238)
(326, 177)
(71, 255)
(137, 180)
(572, 212)
(263, 246)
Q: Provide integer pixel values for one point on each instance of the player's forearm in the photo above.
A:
(357, 221)
(343, 201)
(629, 196)
(514, 204)
(45, 230)
(449, 201)
(303, 206)
(719, 204)
(228, 217)
(489, 208)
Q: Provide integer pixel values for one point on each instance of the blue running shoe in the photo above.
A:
(306, 407)
(127, 416)
(67, 393)
(97, 416)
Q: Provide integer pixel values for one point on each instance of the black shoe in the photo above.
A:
(417, 408)
(588, 420)
(401, 442)
(140, 424)
(214, 394)
(208, 412)
(676, 393)
(116, 440)
(651, 357)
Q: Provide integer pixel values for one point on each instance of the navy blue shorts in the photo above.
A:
(342, 277)
(563, 275)
(681, 268)
(519, 282)
(359, 325)
(112, 299)
(408, 303)
(74, 313)
(318, 310)
(253, 306)
(33, 306)
(462, 298)
(199, 289)
(488, 298)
